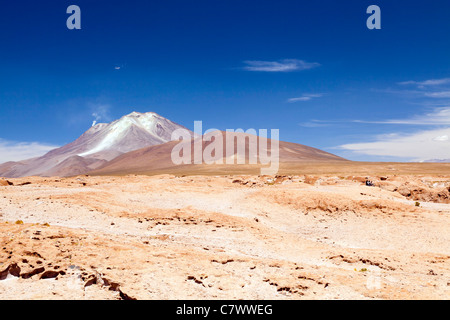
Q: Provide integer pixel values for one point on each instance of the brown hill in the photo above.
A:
(157, 159)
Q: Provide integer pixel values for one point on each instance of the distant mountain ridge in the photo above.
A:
(141, 143)
(438, 161)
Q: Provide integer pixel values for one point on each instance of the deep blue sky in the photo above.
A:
(186, 61)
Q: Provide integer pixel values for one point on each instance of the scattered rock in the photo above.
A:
(124, 296)
(12, 269)
(90, 281)
(32, 273)
(50, 274)
(5, 183)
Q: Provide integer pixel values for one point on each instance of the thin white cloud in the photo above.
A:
(431, 82)
(439, 116)
(313, 124)
(16, 151)
(419, 146)
(285, 65)
(305, 97)
(433, 88)
(439, 94)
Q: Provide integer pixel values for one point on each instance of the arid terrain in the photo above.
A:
(318, 233)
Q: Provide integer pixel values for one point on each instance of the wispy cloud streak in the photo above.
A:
(305, 97)
(285, 65)
(431, 82)
(437, 117)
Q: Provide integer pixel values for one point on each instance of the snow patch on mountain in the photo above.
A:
(156, 128)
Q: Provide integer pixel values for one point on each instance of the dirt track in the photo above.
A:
(205, 237)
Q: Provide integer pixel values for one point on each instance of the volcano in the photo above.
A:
(98, 145)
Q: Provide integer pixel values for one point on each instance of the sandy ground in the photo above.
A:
(231, 237)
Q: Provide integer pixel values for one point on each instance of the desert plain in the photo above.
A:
(311, 232)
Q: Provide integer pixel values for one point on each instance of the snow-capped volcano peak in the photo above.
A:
(147, 121)
(133, 131)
